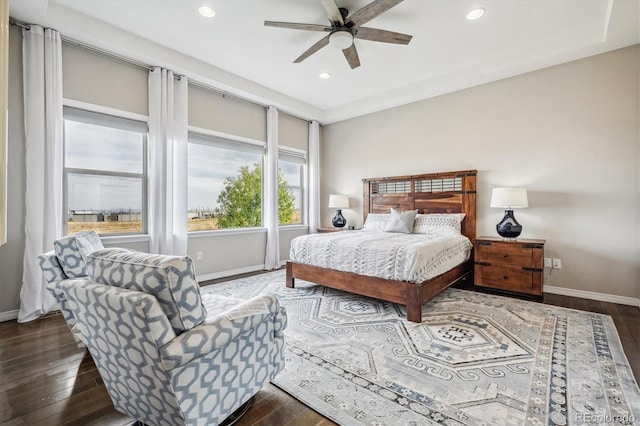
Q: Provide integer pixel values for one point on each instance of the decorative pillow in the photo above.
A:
(72, 250)
(401, 222)
(171, 279)
(438, 223)
(376, 221)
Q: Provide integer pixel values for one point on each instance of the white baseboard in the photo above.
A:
(9, 315)
(231, 272)
(592, 295)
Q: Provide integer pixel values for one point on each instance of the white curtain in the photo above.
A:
(42, 75)
(167, 192)
(272, 256)
(314, 176)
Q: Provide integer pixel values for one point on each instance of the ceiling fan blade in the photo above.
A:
(373, 34)
(371, 10)
(296, 26)
(332, 11)
(352, 56)
(313, 49)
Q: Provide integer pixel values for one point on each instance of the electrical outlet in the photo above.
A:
(199, 255)
(547, 262)
(557, 264)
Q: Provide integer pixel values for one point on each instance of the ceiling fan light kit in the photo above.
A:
(345, 28)
(341, 39)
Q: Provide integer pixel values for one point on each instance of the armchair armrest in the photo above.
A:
(51, 269)
(220, 330)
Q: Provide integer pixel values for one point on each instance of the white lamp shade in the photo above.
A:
(509, 198)
(341, 39)
(338, 202)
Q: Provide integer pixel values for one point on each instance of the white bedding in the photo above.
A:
(393, 256)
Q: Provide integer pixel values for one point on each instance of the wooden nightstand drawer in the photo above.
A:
(509, 265)
(506, 254)
(512, 278)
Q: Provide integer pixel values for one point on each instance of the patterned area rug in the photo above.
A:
(476, 359)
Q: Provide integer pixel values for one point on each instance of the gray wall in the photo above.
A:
(569, 133)
(11, 253)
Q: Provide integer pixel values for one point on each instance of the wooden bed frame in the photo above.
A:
(448, 192)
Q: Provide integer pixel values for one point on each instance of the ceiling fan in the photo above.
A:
(345, 28)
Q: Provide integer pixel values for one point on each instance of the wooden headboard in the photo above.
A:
(447, 192)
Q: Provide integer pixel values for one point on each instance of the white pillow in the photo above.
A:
(438, 223)
(401, 221)
(376, 221)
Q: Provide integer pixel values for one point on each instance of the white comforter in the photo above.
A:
(405, 257)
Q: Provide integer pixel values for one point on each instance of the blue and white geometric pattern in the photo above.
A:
(475, 359)
(196, 378)
(171, 279)
(122, 330)
(53, 272)
(72, 250)
(51, 269)
(219, 330)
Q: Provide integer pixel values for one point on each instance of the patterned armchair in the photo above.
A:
(67, 261)
(167, 355)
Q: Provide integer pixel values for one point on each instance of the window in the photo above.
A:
(225, 183)
(290, 183)
(104, 173)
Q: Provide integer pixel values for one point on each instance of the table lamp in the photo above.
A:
(339, 202)
(509, 199)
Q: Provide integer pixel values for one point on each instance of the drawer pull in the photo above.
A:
(483, 263)
(505, 255)
(528, 268)
(532, 246)
(506, 277)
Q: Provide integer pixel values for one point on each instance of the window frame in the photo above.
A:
(114, 119)
(216, 139)
(299, 156)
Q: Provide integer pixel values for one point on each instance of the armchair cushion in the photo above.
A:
(72, 250)
(103, 298)
(221, 329)
(171, 279)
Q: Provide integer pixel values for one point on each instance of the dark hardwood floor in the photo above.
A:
(45, 379)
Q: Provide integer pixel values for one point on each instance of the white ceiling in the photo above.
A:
(236, 52)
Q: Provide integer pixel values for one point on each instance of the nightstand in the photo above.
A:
(324, 230)
(512, 265)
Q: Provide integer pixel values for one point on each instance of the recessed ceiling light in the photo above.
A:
(206, 11)
(475, 13)
(324, 75)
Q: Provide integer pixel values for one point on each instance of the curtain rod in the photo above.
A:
(15, 23)
(107, 53)
(130, 61)
(224, 93)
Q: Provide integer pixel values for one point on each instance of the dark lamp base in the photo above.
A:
(508, 226)
(338, 220)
